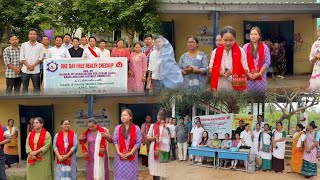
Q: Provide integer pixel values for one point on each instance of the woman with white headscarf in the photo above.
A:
(163, 68)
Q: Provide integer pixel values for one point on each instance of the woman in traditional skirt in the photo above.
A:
(228, 64)
(96, 155)
(65, 144)
(11, 149)
(40, 154)
(279, 148)
(258, 57)
(156, 136)
(127, 141)
(297, 149)
(309, 165)
(265, 148)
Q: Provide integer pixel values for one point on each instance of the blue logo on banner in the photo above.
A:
(52, 66)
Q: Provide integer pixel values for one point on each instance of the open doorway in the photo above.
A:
(276, 31)
(140, 111)
(28, 112)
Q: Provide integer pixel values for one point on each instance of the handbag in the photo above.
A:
(265, 147)
(234, 149)
(143, 150)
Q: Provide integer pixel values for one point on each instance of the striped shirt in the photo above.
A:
(11, 56)
(31, 54)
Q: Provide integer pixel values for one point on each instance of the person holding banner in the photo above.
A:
(58, 51)
(228, 64)
(258, 57)
(65, 145)
(157, 135)
(279, 148)
(127, 141)
(265, 148)
(104, 52)
(137, 69)
(97, 156)
(92, 51)
(121, 50)
(84, 42)
(76, 51)
(40, 154)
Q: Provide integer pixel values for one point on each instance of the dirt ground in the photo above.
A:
(184, 171)
(180, 171)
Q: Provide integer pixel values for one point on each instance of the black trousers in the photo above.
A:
(35, 78)
(13, 83)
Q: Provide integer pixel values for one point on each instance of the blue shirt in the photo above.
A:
(189, 125)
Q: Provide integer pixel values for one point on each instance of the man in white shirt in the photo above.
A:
(67, 41)
(92, 51)
(102, 46)
(153, 68)
(172, 128)
(31, 55)
(196, 135)
(58, 51)
(84, 42)
(303, 118)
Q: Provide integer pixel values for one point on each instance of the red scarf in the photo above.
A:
(252, 67)
(156, 128)
(92, 52)
(238, 73)
(40, 144)
(62, 150)
(1, 135)
(102, 144)
(149, 50)
(122, 141)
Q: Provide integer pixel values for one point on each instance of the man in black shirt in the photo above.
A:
(240, 128)
(76, 51)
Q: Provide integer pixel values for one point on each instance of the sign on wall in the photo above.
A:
(102, 117)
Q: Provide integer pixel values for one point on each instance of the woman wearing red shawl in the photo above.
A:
(65, 144)
(127, 141)
(159, 148)
(40, 154)
(258, 57)
(97, 166)
(120, 50)
(228, 64)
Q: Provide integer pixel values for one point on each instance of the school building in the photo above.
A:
(106, 110)
(293, 21)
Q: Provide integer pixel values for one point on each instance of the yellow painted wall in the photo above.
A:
(64, 108)
(186, 25)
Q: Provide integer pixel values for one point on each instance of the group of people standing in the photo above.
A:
(127, 139)
(267, 145)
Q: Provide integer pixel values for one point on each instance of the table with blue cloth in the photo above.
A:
(204, 152)
(227, 154)
(218, 153)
